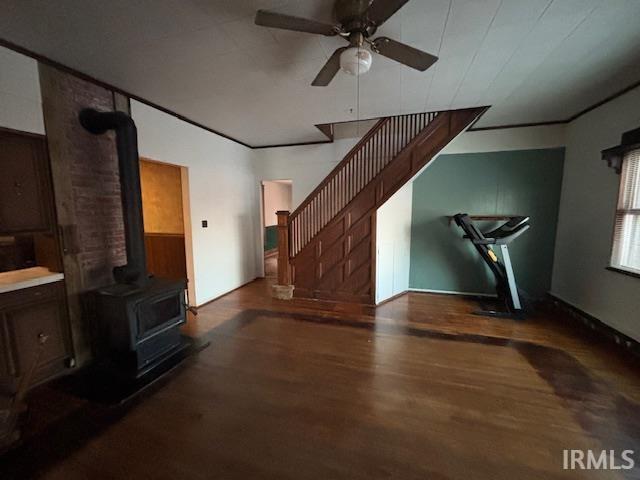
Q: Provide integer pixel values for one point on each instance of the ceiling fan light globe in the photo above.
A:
(355, 61)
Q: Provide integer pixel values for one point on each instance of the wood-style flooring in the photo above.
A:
(418, 388)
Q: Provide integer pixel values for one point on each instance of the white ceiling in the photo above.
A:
(532, 60)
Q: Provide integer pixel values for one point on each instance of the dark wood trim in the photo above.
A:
(83, 76)
(284, 269)
(327, 129)
(602, 102)
(21, 132)
(624, 272)
(473, 128)
(559, 122)
(53, 63)
(227, 293)
(614, 156)
(159, 234)
(598, 327)
(392, 298)
(301, 144)
(515, 125)
(271, 253)
(370, 119)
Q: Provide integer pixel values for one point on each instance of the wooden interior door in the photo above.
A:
(162, 207)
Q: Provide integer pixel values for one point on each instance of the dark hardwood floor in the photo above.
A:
(417, 388)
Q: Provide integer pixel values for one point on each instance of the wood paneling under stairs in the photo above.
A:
(333, 253)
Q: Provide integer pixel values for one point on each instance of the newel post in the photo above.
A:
(284, 276)
(284, 288)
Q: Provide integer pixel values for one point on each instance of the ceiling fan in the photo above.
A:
(356, 21)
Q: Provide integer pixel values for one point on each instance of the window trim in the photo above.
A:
(617, 211)
(622, 271)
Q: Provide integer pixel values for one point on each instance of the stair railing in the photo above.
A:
(380, 145)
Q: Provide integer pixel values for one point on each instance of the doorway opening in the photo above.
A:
(167, 222)
(276, 195)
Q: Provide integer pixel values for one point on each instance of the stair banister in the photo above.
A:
(328, 242)
(284, 268)
(339, 166)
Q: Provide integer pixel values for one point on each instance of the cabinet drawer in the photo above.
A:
(42, 312)
(31, 295)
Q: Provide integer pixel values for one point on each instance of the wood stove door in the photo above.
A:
(159, 313)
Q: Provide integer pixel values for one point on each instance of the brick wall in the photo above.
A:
(87, 192)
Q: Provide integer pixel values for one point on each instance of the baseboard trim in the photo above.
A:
(271, 253)
(453, 292)
(597, 326)
(227, 293)
(393, 297)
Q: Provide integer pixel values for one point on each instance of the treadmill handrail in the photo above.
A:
(482, 241)
(507, 228)
(510, 238)
(503, 239)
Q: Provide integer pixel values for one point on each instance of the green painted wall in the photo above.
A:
(523, 182)
(270, 237)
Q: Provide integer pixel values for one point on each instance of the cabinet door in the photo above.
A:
(23, 184)
(26, 326)
(7, 353)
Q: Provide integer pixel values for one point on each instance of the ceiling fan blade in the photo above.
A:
(380, 11)
(329, 70)
(403, 53)
(289, 22)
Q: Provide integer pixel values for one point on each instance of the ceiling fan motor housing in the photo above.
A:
(352, 16)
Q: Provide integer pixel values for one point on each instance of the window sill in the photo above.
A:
(624, 272)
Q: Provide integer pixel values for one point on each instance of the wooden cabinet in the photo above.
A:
(26, 316)
(25, 188)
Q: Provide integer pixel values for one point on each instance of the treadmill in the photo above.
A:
(506, 286)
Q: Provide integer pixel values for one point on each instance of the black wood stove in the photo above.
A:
(139, 316)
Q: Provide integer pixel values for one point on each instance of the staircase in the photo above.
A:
(327, 245)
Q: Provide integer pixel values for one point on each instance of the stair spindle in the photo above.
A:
(368, 159)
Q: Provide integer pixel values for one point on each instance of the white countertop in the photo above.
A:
(26, 278)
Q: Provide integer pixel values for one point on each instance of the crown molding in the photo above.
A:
(322, 127)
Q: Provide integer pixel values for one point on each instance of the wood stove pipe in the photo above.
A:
(135, 271)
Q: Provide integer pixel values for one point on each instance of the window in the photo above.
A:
(626, 237)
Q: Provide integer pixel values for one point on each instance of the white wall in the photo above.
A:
(393, 244)
(585, 225)
(223, 190)
(306, 165)
(20, 99)
(504, 139)
(277, 196)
